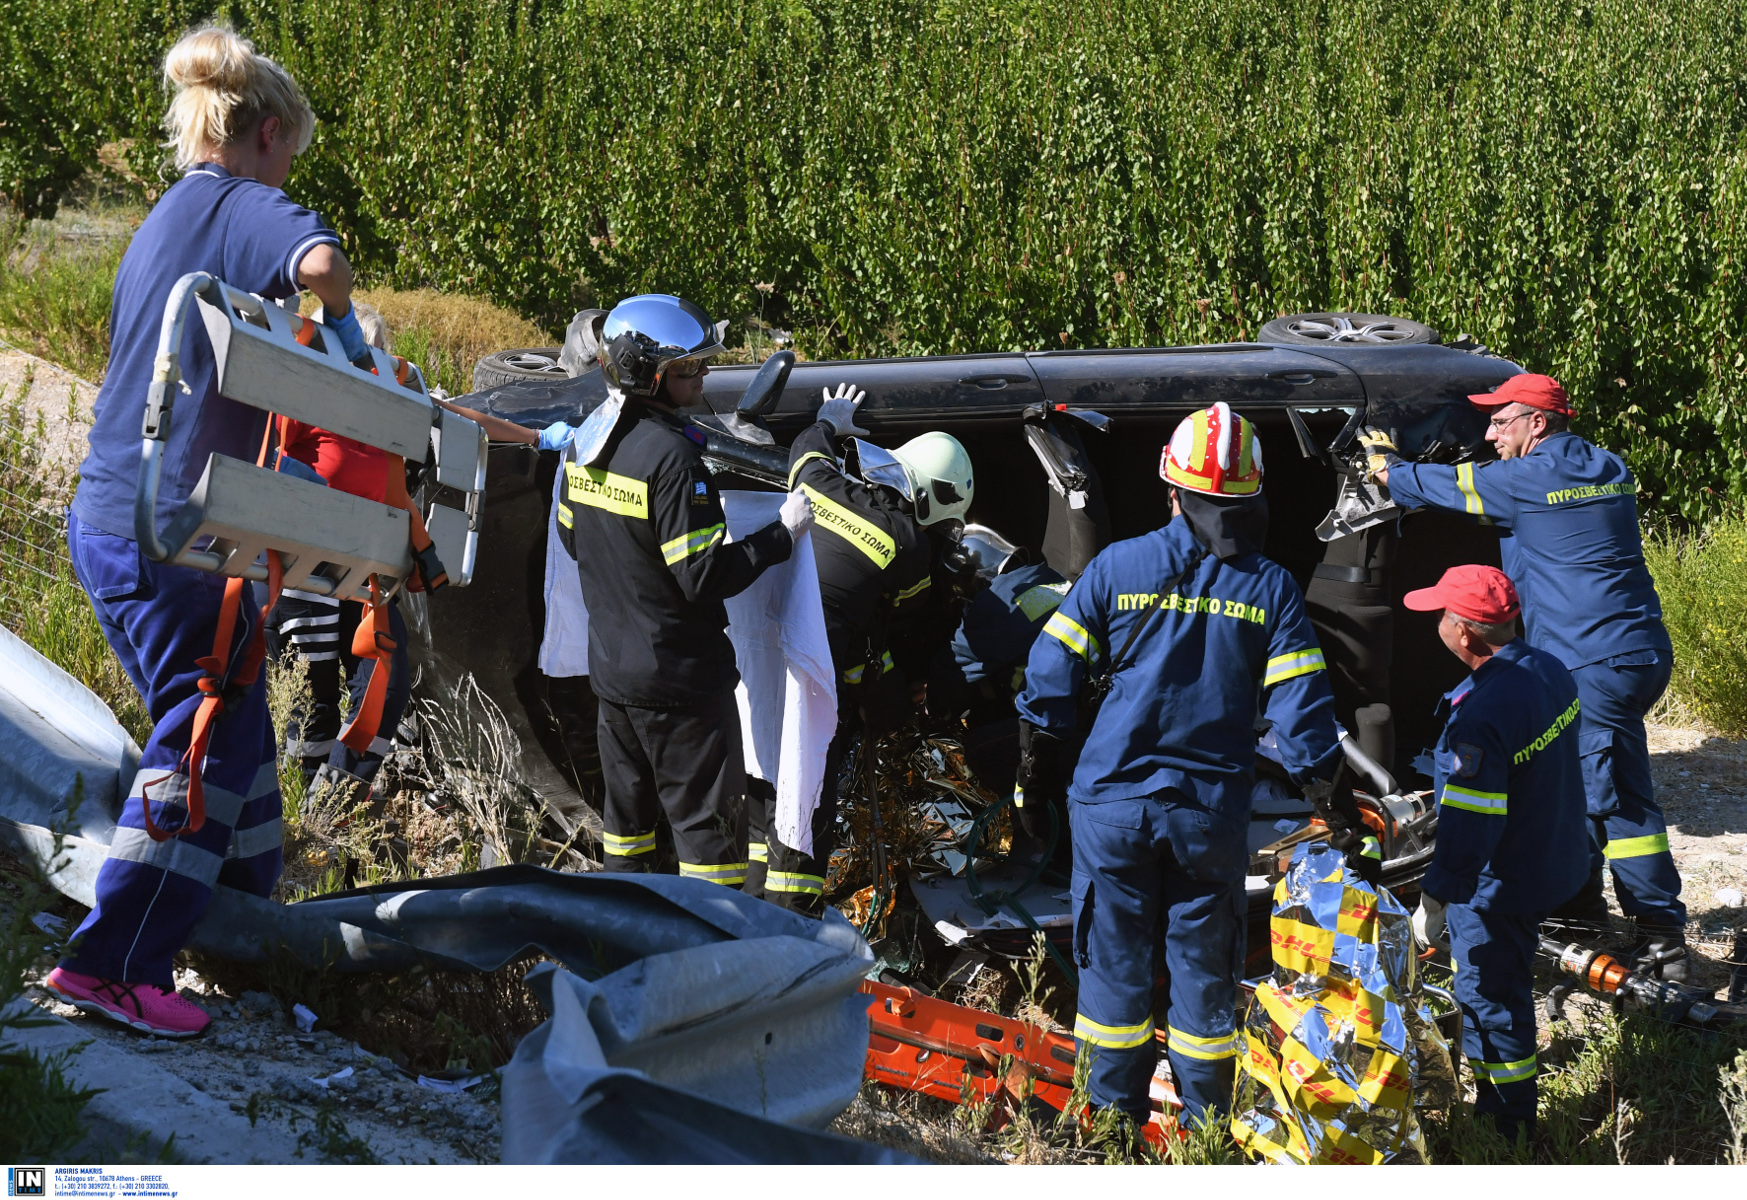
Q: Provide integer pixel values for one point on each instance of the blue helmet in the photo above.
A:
(645, 335)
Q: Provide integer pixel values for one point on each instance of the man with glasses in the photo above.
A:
(1571, 546)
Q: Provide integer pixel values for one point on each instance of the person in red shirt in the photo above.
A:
(319, 629)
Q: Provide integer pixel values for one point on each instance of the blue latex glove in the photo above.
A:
(349, 332)
(556, 436)
(299, 469)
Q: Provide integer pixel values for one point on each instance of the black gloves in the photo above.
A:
(1045, 766)
(1347, 830)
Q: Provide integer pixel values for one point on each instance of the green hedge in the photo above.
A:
(1565, 181)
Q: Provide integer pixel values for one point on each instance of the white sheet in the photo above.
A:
(787, 692)
(564, 648)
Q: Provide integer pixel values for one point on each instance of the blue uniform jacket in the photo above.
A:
(1002, 621)
(1571, 545)
(1232, 641)
(1512, 836)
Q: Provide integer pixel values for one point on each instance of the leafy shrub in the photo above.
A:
(1565, 182)
(1702, 579)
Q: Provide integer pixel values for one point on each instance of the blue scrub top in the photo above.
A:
(1572, 547)
(240, 231)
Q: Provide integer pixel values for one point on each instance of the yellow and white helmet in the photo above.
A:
(939, 470)
(1214, 452)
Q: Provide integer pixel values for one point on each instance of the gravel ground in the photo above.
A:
(1701, 782)
(253, 1056)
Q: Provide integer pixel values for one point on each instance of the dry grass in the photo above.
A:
(446, 334)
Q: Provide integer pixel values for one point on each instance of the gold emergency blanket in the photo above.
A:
(1338, 1043)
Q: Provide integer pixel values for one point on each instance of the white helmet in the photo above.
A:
(940, 477)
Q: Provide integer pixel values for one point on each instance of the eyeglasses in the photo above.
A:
(687, 368)
(1498, 424)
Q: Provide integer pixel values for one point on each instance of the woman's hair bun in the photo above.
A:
(211, 58)
(223, 90)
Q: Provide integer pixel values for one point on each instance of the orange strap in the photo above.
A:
(372, 641)
(216, 674)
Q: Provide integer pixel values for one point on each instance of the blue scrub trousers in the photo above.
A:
(159, 620)
(1158, 871)
(1494, 957)
(1627, 826)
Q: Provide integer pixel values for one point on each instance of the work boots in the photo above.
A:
(1588, 908)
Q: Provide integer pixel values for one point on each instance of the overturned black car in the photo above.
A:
(1067, 446)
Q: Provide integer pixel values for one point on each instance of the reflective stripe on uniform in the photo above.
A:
(177, 855)
(332, 618)
(309, 749)
(1490, 804)
(1291, 666)
(723, 873)
(604, 490)
(914, 590)
(695, 542)
(804, 460)
(1036, 601)
(758, 851)
(1209, 1049)
(223, 806)
(1071, 634)
(789, 881)
(628, 847)
(854, 674)
(870, 539)
(1637, 847)
(257, 839)
(1113, 1037)
(1465, 482)
(1510, 1072)
(564, 517)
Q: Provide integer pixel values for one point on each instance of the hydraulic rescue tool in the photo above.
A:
(326, 541)
(1636, 990)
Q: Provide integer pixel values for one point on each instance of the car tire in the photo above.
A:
(1346, 328)
(536, 365)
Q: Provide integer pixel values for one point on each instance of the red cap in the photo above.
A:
(1536, 391)
(1482, 594)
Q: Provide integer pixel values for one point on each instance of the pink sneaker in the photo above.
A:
(137, 1005)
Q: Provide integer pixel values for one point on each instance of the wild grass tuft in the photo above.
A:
(40, 599)
(39, 1109)
(1702, 579)
(56, 281)
(446, 334)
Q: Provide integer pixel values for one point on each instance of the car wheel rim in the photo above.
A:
(533, 362)
(1342, 329)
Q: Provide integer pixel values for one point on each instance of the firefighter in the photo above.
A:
(1512, 841)
(237, 120)
(642, 519)
(979, 675)
(875, 566)
(1573, 551)
(1203, 632)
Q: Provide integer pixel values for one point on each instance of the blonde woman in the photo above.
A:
(236, 121)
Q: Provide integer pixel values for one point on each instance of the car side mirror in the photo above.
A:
(766, 388)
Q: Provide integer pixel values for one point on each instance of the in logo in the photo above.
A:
(26, 1181)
